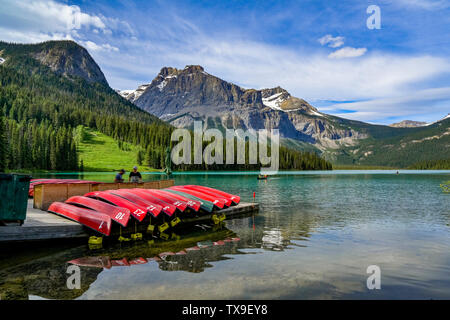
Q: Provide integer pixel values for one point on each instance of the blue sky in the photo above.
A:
(321, 51)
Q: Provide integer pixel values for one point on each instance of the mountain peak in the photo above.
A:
(193, 69)
(165, 71)
(65, 57)
(189, 69)
(408, 124)
(182, 95)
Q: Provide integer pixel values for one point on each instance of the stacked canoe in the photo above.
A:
(160, 209)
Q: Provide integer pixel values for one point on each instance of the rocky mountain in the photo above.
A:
(58, 81)
(408, 124)
(62, 57)
(181, 96)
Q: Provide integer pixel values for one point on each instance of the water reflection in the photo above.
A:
(193, 252)
(313, 238)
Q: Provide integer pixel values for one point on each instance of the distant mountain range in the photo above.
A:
(59, 81)
(408, 124)
(181, 96)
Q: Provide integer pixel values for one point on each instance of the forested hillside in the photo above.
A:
(45, 96)
(42, 108)
(432, 165)
(400, 149)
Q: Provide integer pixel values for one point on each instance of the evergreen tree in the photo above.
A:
(3, 143)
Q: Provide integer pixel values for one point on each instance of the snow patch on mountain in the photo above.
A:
(161, 85)
(316, 113)
(446, 117)
(133, 95)
(273, 101)
(2, 60)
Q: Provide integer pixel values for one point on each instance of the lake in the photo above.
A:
(314, 238)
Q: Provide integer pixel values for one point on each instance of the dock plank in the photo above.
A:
(42, 225)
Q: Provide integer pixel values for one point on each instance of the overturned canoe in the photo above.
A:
(118, 214)
(228, 201)
(208, 206)
(193, 204)
(236, 199)
(218, 202)
(94, 220)
(181, 205)
(125, 193)
(137, 211)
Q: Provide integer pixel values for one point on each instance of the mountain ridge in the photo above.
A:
(48, 105)
(182, 96)
(46, 88)
(64, 57)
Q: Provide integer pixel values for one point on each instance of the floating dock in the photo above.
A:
(44, 226)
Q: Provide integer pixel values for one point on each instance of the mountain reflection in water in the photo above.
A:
(46, 277)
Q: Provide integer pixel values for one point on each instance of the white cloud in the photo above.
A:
(333, 42)
(427, 104)
(46, 17)
(95, 47)
(306, 75)
(42, 20)
(347, 52)
(173, 41)
(425, 4)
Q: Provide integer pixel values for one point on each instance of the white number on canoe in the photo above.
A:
(151, 208)
(120, 216)
(101, 225)
(138, 212)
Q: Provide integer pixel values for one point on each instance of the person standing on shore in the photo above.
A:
(119, 176)
(135, 176)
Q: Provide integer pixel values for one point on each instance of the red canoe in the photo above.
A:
(120, 263)
(137, 211)
(220, 203)
(232, 197)
(98, 262)
(166, 207)
(97, 221)
(195, 205)
(118, 214)
(137, 261)
(181, 205)
(228, 200)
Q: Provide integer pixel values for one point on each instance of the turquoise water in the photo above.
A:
(314, 237)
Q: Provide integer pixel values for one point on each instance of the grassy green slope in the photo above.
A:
(100, 152)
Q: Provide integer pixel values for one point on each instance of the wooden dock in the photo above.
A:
(42, 225)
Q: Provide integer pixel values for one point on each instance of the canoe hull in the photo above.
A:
(236, 199)
(94, 220)
(138, 212)
(218, 202)
(166, 207)
(117, 214)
